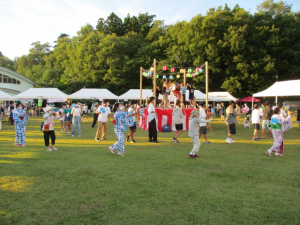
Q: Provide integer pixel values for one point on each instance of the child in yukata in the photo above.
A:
(246, 122)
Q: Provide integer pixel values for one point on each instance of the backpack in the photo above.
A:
(166, 128)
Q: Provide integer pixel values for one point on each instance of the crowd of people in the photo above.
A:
(275, 119)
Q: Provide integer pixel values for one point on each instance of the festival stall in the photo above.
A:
(164, 116)
(5, 96)
(221, 96)
(40, 93)
(93, 93)
(135, 94)
(249, 99)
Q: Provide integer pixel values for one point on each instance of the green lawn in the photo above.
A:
(83, 183)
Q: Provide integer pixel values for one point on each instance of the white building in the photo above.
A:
(14, 83)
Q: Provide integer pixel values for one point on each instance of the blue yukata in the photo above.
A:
(20, 126)
(121, 123)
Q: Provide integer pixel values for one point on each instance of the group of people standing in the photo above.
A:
(276, 120)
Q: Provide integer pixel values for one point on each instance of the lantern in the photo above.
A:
(178, 76)
(172, 70)
(157, 76)
(171, 77)
(164, 77)
(194, 74)
(198, 69)
(152, 69)
(164, 68)
(197, 73)
(144, 73)
(150, 72)
(182, 70)
(201, 70)
(190, 70)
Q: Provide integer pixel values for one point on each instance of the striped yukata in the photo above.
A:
(20, 126)
(121, 123)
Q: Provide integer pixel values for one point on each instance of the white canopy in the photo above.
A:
(221, 96)
(199, 95)
(41, 93)
(93, 93)
(281, 88)
(5, 96)
(135, 94)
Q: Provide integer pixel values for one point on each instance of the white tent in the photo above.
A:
(93, 93)
(41, 93)
(199, 95)
(135, 94)
(5, 96)
(281, 88)
(221, 96)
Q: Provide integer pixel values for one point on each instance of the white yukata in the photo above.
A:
(279, 125)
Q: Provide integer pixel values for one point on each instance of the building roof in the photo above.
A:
(17, 74)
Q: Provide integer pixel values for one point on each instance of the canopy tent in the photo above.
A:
(41, 93)
(93, 93)
(281, 88)
(135, 94)
(221, 96)
(249, 99)
(199, 95)
(5, 96)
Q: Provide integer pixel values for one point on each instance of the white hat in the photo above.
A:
(194, 113)
(48, 108)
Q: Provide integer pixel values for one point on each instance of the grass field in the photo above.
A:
(83, 183)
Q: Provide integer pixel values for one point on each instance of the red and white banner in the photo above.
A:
(164, 116)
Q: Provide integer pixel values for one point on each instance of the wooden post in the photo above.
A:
(206, 82)
(154, 82)
(141, 85)
(147, 102)
(194, 101)
(184, 77)
(181, 101)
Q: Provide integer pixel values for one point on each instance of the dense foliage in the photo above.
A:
(245, 51)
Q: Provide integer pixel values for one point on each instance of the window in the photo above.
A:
(6, 79)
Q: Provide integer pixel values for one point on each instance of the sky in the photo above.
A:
(23, 22)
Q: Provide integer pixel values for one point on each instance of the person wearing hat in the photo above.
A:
(193, 132)
(48, 128)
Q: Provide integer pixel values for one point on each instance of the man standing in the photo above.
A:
(183, 92)
(203, 128)
(222, 111)
(267, 114)
(238, 111)
(152, 121)
(231, 121)
(165, 92)
(191, 93)
(104, 112)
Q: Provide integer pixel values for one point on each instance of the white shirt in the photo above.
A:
(256, 116)
(76, 111)
(103, 116)
(132, 110)
(202, 116)
(151, 116)
(247, 108)
(84, 108)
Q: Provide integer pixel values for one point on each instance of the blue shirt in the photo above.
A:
(183, 90)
